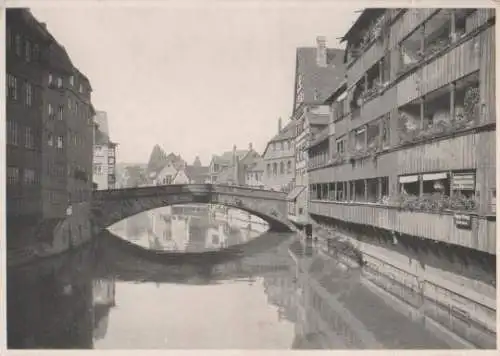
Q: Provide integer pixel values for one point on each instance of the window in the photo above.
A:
(29, 138)
(275, 168)
(289, 166)
(69, 103)
(80, 88)
(12, 175)
(60, 112)
(50, 140)
(27, 51)
(12, 87)
(19, 45)
(282, 168)
(269, 169)
(72, 80)
(50, 110)
(97, 169)
(463, 184)
(29, 176)
(12, 137)
(340, 146)
(50, 79)
(28, 97)
(76, 108)
(59, 142)
(59, 82)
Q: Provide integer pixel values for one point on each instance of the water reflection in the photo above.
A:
(190, 228)
(280, 296)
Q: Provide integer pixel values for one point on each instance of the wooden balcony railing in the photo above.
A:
(454, 228)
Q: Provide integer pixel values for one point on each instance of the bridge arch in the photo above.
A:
(112, 206)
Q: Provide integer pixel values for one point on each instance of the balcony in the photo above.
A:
(465, 229)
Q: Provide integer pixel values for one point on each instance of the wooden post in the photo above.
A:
(379, 188)
(420, 186)
(366, 137)
(422, 38)
(353, 190)
(365, 182)
(453, 36)
(452, 100)
(422, 112)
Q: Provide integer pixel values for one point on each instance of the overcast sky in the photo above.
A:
(194, 79)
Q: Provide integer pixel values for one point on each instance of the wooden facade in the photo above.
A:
(440, 227)
(471, 149)
(452, 153)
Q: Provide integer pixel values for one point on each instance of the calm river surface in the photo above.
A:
(280, 295)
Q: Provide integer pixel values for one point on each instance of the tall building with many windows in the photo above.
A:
(319, 70)
(49, 125)
(410, 161)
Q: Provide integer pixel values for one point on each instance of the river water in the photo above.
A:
(113, 293)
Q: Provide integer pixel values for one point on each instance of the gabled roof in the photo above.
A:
(227, 157)
(319, 82)
(286, 133)
(196, 173)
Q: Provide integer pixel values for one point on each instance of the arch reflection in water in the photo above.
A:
(190, 228)
(280, 297)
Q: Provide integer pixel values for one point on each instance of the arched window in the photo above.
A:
(282, 168)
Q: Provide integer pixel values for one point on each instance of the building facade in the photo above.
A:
(279, 158)
(104, 161)
(410, 161)
(415, 132)
(49, 126)
(319, 70)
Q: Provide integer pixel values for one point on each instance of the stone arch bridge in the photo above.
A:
(111, 206)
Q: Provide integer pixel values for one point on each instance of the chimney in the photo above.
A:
(279, 125)
(321, 51)
(250, 147)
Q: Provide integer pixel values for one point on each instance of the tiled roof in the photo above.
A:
(227, 157)
(319, 82)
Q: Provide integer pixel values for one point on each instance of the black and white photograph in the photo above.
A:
(249, 175)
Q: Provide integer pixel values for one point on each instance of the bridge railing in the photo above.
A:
(249, 191)
(190, 188)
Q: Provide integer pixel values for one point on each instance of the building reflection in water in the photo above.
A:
(310, 300)
(49, 303)
(103, 300)
(190, 228)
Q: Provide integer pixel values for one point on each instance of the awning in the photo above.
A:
(408, 179)
(295, 192)
(434, 176)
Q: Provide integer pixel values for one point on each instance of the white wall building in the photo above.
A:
(104, 159)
